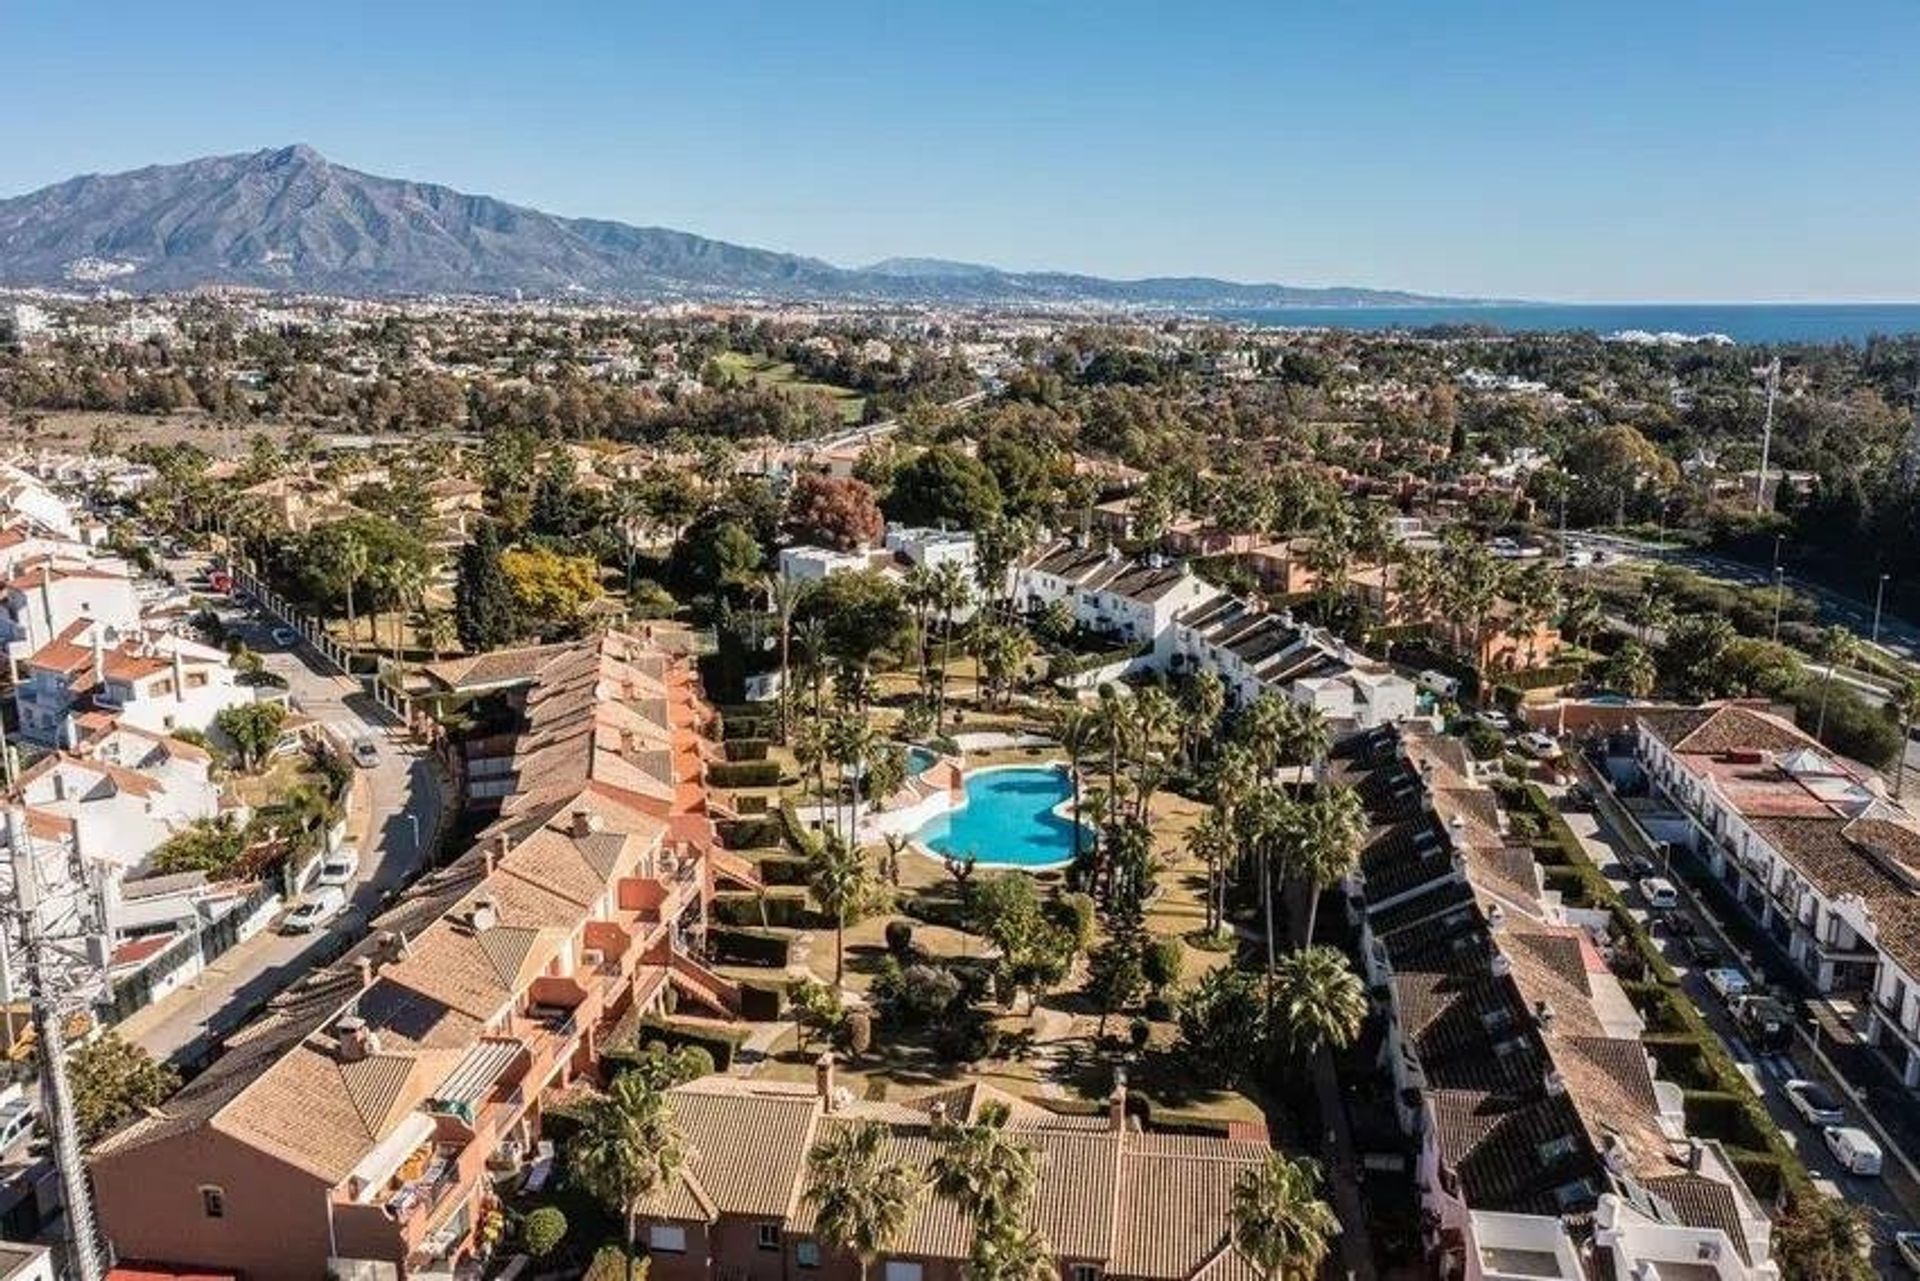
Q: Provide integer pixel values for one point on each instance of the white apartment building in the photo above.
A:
(1807, 845)
(25, 497)
(805, 564)
(1133, 600)
(158, 682)
(1253, 652)
(46, 599)
(932, 548)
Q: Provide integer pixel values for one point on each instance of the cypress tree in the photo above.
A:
(483, 605)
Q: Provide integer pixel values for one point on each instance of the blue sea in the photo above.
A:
(1746, 323)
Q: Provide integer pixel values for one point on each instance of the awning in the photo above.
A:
(469, 1082)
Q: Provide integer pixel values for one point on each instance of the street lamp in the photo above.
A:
(1879, 596)
(1779, 598)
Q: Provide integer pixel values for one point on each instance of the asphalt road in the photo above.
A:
(1892, 1202)
(401, 797)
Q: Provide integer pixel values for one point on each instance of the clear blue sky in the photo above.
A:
(1609, 149)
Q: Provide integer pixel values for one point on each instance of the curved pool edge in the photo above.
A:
(1061, 810)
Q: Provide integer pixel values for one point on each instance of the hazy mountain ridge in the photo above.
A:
(290, 220)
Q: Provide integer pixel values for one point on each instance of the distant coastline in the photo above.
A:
(1742, 322)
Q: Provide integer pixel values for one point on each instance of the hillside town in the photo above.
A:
(769, 791)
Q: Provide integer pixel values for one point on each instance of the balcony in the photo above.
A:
(427, 1180)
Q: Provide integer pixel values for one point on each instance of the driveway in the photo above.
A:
(1893, 1201)
(396, 813)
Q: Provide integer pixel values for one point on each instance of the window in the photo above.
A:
(898, 1271)
(213, 1202)
(196, 680)
(806, 1254)
(767, 1236)
(667, 1238)
(1083, 1272)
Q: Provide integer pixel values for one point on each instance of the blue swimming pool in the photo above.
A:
(920, 760)
(1008, 820)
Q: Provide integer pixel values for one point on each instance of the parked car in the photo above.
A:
(1659, 893)
(1854, 1149)
(1539, 745)
(1728, 983)
(1766, 1023)
(285, 637)
(339, 869)
(17, 1123)
(1495, 721)
(1438, 684)
(321, 906)
(1816, 1103)
(1577, 799)
(1907, 1246)
(1703, 953)
(366, 753)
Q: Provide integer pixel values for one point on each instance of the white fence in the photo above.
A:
(313, 631)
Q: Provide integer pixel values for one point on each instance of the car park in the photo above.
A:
(1728, 983)
(1659, 893)
(321, 906)
(1854, 1149)
(1814, 1102)
(338, 869)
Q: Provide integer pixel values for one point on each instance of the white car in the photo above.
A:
(1854, 1149)
(1907, 1246)
(17, 1122)
(1659, 893)
(339, 869)
(1728, 983)
(320, 907)
(1816, 1103)
(366, 753)
(1539, 745)
(1495, 721)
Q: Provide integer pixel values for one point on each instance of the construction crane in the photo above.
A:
(55, 926)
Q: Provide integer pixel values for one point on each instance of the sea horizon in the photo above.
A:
(1740, 322)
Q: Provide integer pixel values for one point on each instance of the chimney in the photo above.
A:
(179, 677)
(1117, 1101)
(73, 833)
(364, 966)
(59, 784)
(357, 1041)
(1543, 1014)
(823, 1079)
(502, 843)
(482, 916)
(939, 1113)
(99, 655)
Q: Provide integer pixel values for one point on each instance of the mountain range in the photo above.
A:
(291, 221)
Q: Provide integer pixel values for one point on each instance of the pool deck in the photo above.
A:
(910, 819)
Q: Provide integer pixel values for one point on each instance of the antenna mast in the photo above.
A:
(1766, 437)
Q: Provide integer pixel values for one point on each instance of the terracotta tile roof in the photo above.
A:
(1702, 1203)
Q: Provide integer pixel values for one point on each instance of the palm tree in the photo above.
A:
(1652, 612)
(353, 553)
(1318, 1001)
(1077, 732)
(785, 595)
(837, 875)
(952, 593)
(1631, 670)
(1837, 646)
(1280, 1224)
(407, 580)
(852, 739)
(812, 747)
(918, 589)
(1211, 841)
(860, 1196)
(984, 1169)
(813, 639)
(625, 1150)
(1905, 703)
(1326, 845)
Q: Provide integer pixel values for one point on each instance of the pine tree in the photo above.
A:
(484, 611)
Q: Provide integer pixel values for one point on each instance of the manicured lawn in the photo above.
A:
(778, 373)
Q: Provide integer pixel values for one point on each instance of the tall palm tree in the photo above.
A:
(1078, 733)
(813, 748)
(1203, 700)
(952, 593)
(837, 875)
(920, 593)
(353, 553)
(1280, 1224)
(984, 1169)
(1631, 670)
(1837, 646)
(785, 595)
(407, 580)
(813, 639)
(625, 1150)
(1211, 841)
(1318, 1001)
(852, 739)
(1326, 838)
(860, 1195)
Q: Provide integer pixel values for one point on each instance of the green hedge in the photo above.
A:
(748, 833)
(748, 749)
(777, 867)
(762, 1002)
(751, 947)
(720, 1043)
(786, 909)
(744, 774)
(1719, 1114)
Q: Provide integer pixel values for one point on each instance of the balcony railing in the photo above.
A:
(422, 1195)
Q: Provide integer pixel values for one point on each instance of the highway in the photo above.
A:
(399, 805)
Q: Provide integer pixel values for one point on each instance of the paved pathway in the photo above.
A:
(399, 807)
